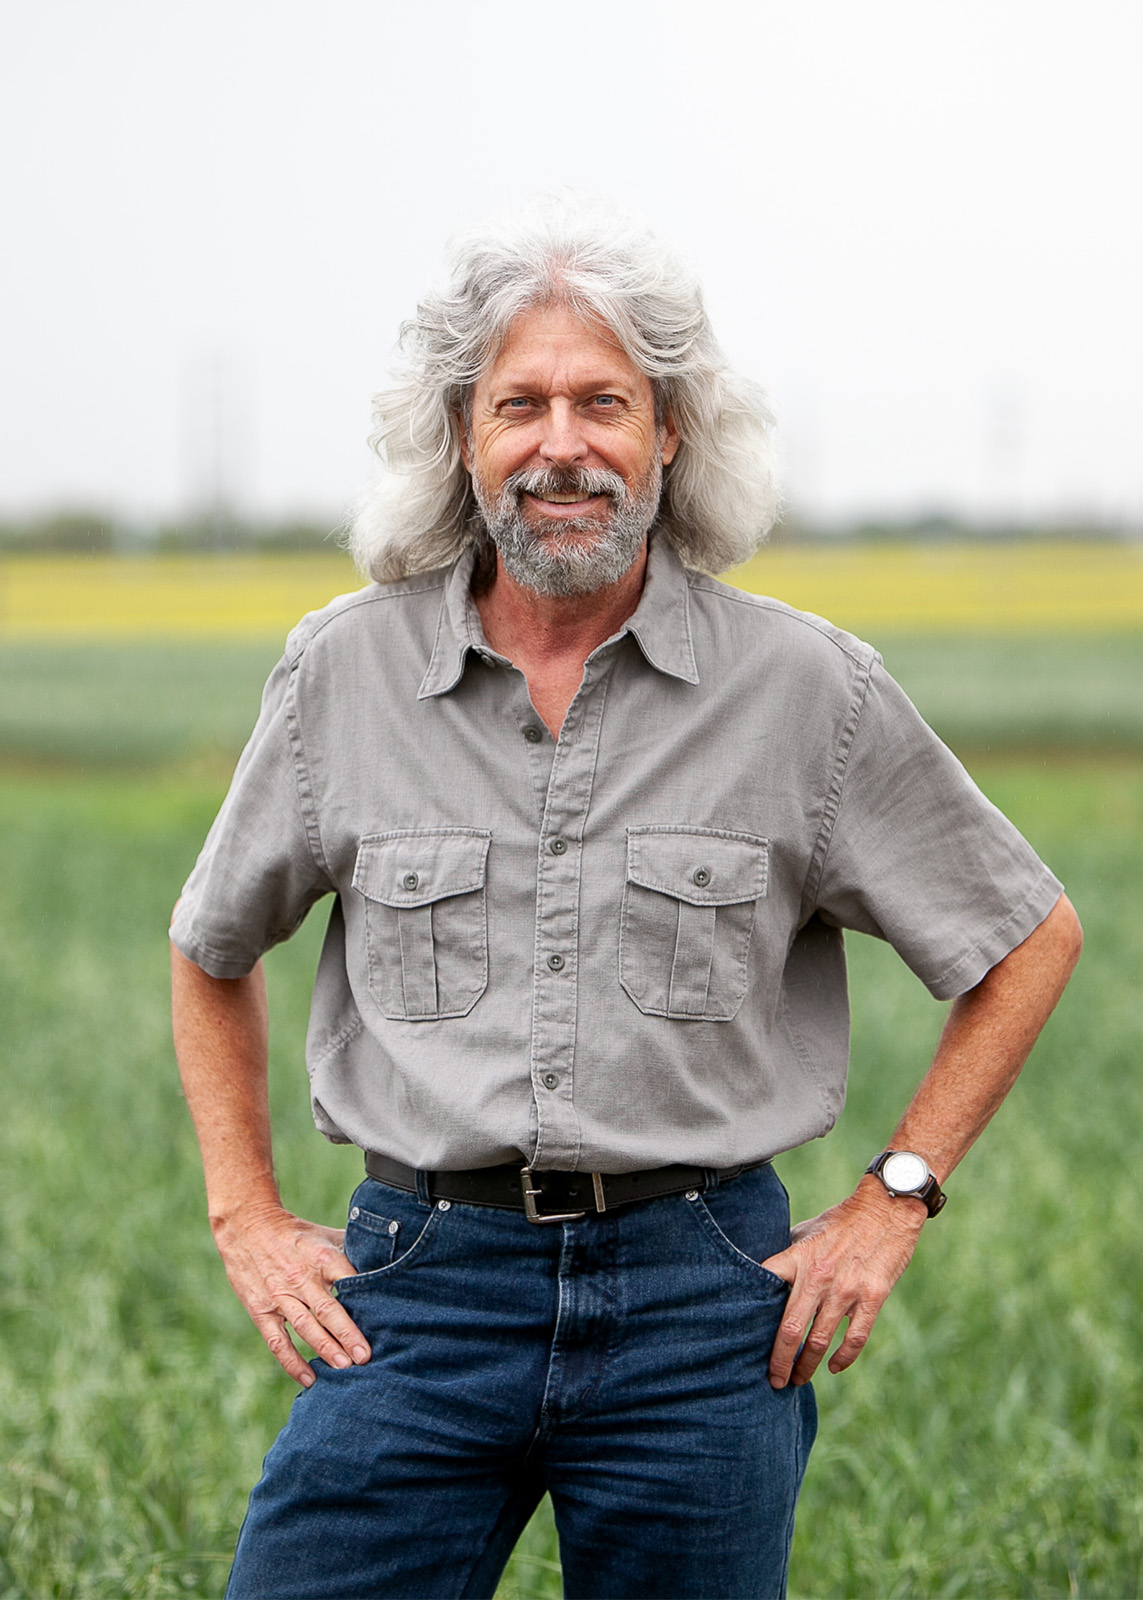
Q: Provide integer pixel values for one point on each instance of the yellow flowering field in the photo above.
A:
(1028, 586)
(1001, 587)
(125, 597)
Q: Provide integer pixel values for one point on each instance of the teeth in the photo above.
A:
(564, 499)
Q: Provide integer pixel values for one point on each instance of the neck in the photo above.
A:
(549, 637)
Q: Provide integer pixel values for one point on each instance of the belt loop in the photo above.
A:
(424, 1181)
(711, 1179)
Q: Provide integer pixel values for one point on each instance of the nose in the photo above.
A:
(562, 442)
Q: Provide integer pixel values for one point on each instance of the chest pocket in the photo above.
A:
(688, 915)
(426, 923)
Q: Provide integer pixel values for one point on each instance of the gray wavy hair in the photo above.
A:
(720, 494)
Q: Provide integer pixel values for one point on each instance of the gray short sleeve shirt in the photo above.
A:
(616, 950)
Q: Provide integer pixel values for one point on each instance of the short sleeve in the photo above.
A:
(259, 871)
(919, 856)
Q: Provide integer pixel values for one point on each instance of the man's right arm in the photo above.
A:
(279, 1266)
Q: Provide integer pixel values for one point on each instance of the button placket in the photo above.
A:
(539, 749)
(555, 992)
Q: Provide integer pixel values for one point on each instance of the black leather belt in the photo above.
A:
(549, 1196)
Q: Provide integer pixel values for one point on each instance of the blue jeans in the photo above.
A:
(619, 1363)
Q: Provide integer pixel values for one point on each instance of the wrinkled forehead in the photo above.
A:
(553, 337)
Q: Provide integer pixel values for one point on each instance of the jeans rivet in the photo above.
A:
(354, 1214)
(692, 1194)
(393, 1226)
(443, 1205)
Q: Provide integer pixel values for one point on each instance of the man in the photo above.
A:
(593, 823)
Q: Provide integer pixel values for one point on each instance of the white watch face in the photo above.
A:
(904, 1172)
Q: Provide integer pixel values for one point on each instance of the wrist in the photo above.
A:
(905, 1211)
(905, 1175)
(232, 1209)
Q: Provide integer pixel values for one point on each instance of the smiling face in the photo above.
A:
(565, 454)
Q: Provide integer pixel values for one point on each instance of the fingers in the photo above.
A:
(282, 1273)
(324, 1325)
(841, 1267)
(330, 1333)
(856, 1338)
(273, 1330)
(805, 1335)
(796, 1319)
(783, 1265)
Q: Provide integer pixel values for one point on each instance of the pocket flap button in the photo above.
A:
(411, 880)
(701, 876)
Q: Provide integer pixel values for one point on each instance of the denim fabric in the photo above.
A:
(619, 1362)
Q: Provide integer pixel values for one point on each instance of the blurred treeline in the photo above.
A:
(90, 530)
(95, 532)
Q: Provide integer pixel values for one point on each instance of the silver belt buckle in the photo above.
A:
(530, 1203)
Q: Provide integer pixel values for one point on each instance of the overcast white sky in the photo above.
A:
(918, 222)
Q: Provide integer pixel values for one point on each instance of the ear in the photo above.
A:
(465, 445)
(669, 435)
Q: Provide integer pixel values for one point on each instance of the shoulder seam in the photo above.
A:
(820, 626)
(371, 595)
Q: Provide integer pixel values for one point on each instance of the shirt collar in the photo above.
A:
(660, 623)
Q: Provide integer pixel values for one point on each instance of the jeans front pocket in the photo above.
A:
(747, 1220)
(687, 919)
(426, 923)
(385, 1231)
(371, 1240)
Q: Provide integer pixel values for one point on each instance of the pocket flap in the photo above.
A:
(415, 866)
(703, 866)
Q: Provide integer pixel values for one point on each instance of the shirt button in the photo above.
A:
(701, 876)
(550, 1080)
(558, 847)
(556, 963)
(410, 880)
(533, 735)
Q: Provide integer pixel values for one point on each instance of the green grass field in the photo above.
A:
(137, 705)
(987, 1444)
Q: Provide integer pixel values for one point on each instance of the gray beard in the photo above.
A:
(576, 555)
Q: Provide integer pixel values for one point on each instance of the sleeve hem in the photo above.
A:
(972, 966)
(215, 963)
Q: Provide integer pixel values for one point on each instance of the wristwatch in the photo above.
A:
(906, 1174)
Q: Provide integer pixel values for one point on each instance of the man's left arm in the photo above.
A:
(844, 1263)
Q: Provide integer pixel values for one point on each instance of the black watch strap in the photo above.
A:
(930, 1191)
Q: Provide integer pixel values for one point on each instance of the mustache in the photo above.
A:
(583, 482)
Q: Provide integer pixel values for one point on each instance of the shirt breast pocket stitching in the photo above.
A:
(687, 919)
(426, 923)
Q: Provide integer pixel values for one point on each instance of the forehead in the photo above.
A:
(550, 346)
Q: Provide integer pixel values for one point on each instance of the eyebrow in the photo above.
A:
(597, 383)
